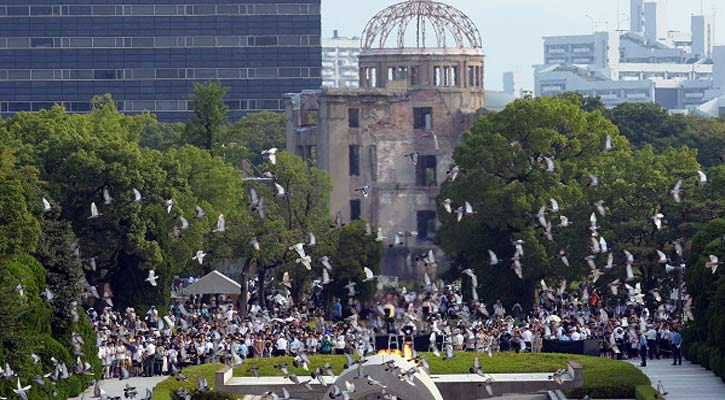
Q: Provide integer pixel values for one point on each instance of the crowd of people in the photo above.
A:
(209, 329)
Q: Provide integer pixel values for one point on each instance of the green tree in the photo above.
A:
(289, 218)
(206, 125)
(256, 132)
(64, 269)
(705, 337)
(19, 229)
(650, 124)
(504, 176)
(161, 136)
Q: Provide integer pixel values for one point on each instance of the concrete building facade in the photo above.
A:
(340, 62)
(148, 53)
(388, 145)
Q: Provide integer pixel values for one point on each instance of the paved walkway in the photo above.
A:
(114, 387)
(684, 382)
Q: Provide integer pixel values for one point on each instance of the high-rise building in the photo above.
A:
(147, 53)
(702, 35)
(512, 84)
(655, 20)
(647, 64)
(339, 62)
(636, 16)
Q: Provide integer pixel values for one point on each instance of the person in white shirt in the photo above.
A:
(280, 346)
(526, 337)
(340, 344)
(148, 362)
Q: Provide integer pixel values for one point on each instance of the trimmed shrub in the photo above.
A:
(714, 361)
(703, 356)
(692, 350)
(645, 392)
(211, 396)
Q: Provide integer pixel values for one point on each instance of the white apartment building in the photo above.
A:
(340, 62)
(646, 64)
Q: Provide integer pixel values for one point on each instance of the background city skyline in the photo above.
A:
(512, 30)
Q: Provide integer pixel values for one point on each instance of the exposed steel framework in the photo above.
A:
(445, 21)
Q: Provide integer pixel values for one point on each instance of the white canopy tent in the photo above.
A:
(213, 283)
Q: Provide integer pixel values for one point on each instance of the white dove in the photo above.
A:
(447, 206)
(220, 224)
(713, 263)
(94, 211)
(151, 279)
(199, 257)
(702, 178)
(554, 205)
(493, 258)
(107, 199)
(369, 276)
(271, 155)
(657, 220)
(169, 204)
(676, 192)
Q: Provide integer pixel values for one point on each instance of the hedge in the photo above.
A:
(645, 392)
(603, 378)
(26, 329)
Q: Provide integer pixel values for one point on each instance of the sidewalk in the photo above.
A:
(114, 387)
(684, 382)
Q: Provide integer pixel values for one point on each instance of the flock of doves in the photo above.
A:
(599, 245)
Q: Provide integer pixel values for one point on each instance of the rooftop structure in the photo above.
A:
(393, 27)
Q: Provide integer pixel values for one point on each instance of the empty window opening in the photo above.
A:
(353, 117)
(414, 76)
(355, 210)
(426, 225)
(425, 174)
(354, 160)
(423, 118)
(437, 76)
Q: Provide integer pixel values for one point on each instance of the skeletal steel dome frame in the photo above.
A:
(443, 19)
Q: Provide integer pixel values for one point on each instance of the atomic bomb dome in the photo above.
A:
(420, 24)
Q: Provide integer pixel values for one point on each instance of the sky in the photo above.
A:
(512, 30)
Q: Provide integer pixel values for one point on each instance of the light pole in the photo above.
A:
(591, 19)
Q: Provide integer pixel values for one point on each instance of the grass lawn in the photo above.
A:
(603, 378)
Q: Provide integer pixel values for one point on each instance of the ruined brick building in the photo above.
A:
(421, 87)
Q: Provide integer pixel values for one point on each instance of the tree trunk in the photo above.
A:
(261, 272)
(530, 299)
(208, 132)
(244, 297)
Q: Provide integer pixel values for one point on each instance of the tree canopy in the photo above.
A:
(514, 163)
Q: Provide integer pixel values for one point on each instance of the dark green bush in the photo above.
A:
(645, 392)
(703, 356)
(210, 396)
(691, 353)
(714, 361)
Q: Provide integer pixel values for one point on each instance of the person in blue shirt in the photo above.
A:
(336, 310)
(643, 348)
(676, 347)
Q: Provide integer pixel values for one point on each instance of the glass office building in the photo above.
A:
(148, 53)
